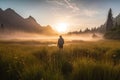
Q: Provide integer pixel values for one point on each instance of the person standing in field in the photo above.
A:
(60, 42)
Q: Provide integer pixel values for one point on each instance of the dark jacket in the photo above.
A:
(60, 42)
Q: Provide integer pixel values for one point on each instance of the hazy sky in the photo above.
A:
(77, 13)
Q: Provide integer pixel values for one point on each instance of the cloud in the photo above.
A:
(71, 5)
(73, 9)
(66, 3)
(90, 13)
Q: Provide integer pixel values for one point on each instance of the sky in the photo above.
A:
(78, 14)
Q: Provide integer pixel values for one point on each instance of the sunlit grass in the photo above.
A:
(78, 61)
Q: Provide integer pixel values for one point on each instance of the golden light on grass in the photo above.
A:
(61, 27)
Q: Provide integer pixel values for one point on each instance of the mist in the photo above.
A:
(21, 36)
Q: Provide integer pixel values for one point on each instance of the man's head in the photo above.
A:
(60, 36)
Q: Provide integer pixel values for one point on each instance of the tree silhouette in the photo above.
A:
(109, 23)
(2, 26)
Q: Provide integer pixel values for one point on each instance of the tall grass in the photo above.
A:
(78, 61)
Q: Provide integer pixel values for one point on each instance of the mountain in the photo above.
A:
(112, 27)
(114, 33)
(117, 20)
(102, 28)
(10, 22)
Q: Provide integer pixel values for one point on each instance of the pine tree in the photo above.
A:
(109, 23)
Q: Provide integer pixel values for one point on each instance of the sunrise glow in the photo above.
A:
(61, 27)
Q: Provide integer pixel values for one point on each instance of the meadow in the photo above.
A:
(89, 60)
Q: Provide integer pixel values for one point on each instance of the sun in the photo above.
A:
(61, 27)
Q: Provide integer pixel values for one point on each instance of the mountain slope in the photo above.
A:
(11, 21)
(114, 33)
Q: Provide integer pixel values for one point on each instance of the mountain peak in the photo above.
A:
(14, 22)
(119, 15)
(1, 10)
(31, 18)
(9, 10)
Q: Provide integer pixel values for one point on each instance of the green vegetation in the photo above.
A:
(113, 33)
(78, 61)
(112, 27)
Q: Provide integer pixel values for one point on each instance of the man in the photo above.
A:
(60, 42)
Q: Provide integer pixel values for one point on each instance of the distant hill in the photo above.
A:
(11, 22)
(112, 27)
(116, 22)
(114, 33)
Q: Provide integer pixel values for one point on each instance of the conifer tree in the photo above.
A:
(109, 23)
